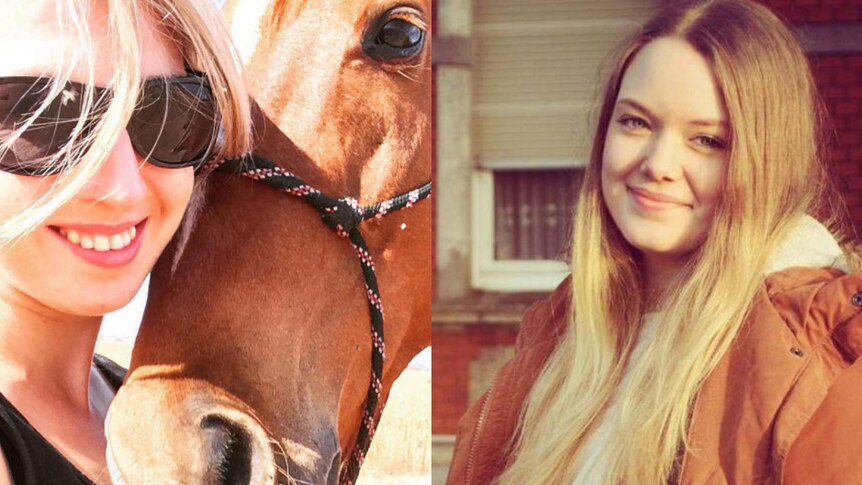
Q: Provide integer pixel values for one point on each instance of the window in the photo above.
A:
(535, 82)
(532, 212)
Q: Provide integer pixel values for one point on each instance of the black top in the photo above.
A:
(32, 459)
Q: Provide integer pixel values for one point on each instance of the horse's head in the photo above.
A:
(348, 81)
(253, 361)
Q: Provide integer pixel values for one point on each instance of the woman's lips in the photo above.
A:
(653, 201)
(93, 243)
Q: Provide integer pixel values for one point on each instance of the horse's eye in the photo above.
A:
(394, 40)
(400, 34)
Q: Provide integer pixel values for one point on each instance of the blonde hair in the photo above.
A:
(775, 174)
(196, 28)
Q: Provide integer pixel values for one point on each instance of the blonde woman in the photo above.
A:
(710, 306)
(106, 109)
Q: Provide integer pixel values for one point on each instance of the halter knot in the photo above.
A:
(344, 216)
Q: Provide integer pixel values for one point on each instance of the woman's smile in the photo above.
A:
(101, 245)
(651, 201)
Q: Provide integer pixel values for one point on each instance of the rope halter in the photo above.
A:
(343, 216)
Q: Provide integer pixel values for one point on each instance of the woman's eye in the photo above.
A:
(710, 142)
(633, 122)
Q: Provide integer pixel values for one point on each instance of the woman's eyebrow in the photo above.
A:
(705, 122)
(719, 123)
(634, 104)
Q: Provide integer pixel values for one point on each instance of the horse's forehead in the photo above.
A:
(284, 12)
(257, 22)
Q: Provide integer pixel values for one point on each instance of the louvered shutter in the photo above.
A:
(537, 76)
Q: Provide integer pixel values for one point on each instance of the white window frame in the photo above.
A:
(507, 276)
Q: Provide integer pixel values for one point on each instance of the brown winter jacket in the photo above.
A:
(784, 405)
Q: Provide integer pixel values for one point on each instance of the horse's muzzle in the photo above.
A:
(185, 433)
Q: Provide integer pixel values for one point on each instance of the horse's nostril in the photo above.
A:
(228, 453)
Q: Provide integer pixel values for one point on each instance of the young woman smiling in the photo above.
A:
(105, 111)
(710, 300)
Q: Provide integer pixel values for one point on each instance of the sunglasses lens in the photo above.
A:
(175, 122)
(174, 125)
(31, 152)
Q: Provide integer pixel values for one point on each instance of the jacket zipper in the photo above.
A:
(478, 430)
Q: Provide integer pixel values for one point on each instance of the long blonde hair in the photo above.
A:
(196, 28)
(775, 174)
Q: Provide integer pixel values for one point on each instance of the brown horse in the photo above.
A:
(253, 360)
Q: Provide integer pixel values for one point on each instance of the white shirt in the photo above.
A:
(591, 467)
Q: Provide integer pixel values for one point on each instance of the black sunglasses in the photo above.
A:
(175, 123)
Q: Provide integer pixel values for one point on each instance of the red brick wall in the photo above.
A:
(839, 78)
(454, 348)
(816, 11)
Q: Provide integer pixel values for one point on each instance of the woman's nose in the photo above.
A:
(661, 158)
(119, 179)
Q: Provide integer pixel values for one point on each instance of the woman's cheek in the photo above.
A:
(173, 187)
(20, 192)
(622, 152)
(708, 182)
(616, 168)
(184, 191)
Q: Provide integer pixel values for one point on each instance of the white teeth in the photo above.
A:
(86, 242)
(100, 242)
(117, 241)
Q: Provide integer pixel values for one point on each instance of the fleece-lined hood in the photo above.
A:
(807, 243)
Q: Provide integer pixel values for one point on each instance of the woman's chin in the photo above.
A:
(657, 246)
(98, 304)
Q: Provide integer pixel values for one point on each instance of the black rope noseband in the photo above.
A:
(343, 216)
